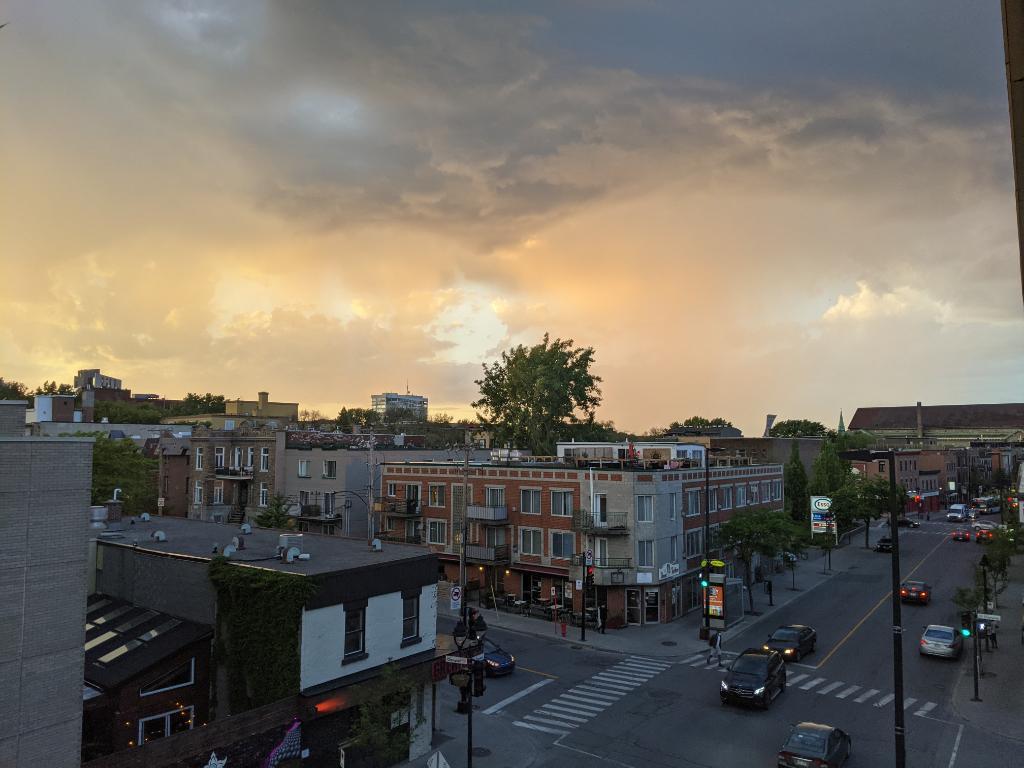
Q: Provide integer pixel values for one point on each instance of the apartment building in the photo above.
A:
(531, 523)
(389, 402)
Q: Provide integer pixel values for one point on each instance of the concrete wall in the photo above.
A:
(12, 417)
(44, 500)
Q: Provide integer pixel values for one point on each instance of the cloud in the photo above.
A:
(867, 304)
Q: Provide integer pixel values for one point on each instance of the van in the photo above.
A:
(957, 512)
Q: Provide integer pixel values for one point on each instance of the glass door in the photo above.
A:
(651, 613)
(601, 553)
(633, 608)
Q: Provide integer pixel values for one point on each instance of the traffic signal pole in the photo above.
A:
(974, 635)
(899, 731)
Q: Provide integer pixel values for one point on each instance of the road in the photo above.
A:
(581, 706)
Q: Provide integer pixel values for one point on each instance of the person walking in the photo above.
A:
(993, 629)
(715, 649)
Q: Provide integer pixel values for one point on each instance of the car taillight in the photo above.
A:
(924, 594)
(903, 592)
(923, 641)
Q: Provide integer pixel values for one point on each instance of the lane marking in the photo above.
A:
(562, 713)
(885, 699)
(808, 685)
(515, 697)
(628, 679)
(875, 607)
(865, 696)
(536, 719)
(650, 661)
(908, 702)
(847, 692)
(925, 709)
(613, 682)
(538, 672)
(576, 703)
(956, 746)
(795, 679)
(540, 728)
(636, 666)
(589, 693)
(829, 688)
(693, 658)
(593, 690)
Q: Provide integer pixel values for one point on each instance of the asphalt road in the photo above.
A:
(569, 706)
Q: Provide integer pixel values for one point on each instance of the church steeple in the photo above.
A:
(842, 426)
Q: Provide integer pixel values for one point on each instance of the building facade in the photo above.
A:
(942, 425)
(392, 401)
(262, 408)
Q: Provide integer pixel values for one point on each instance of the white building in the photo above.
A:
(392, 401)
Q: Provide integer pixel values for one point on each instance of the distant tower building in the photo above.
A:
(842, 426)
(389, 402)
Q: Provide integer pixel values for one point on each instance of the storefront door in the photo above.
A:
(651, 613)
(633, 608)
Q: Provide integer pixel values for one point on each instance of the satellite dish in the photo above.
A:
(159, 535)
(234, 542)
(144, 517)
(292, 554)
(246, 528)
(229, 550)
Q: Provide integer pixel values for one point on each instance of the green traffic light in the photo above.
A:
(704, 583)
(965, 632)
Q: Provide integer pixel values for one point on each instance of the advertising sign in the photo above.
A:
(823, 520)
(456, 598)
(716, 600)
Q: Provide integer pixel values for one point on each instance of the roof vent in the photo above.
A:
(292, 554)
(159, 535)
(288, 540)
(98, 517)
(246, 528)
(144, 517)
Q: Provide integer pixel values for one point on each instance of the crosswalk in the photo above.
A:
(804, 681)
(589, 698)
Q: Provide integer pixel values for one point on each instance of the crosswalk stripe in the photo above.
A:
(908, 702)
(885, 699)
(703, 662)
(829, 688)
(693, 658)
(646, 674)
(642, 667)
(549, 710)
(925, 709)
(572, 701)
(558, 723)
(614, 682)
(594, 690)
(811, 683)
(593, 694)
(650, 661)
(843, 694)
(540, 728)
(865, 696)
(796, 679)
(625, 676)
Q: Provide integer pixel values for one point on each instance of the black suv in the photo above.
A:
(884, 544)
(756, 676)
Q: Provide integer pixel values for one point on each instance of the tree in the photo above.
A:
(798, 500)
(863, 500)
(13, 390)
(967, 598)
(529, 396)
(120, 464)
(593, 431)
(53, 388)
(798, 428)
(195, 404)
(830, 472)
(127, 413)
(310, 417)
(852, 441)
(699, 422)
(357, 417)
(275, 515)
(759, 531)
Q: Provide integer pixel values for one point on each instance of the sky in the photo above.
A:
(743, 207)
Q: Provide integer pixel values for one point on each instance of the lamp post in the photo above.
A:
(899, 731)
(468, 634)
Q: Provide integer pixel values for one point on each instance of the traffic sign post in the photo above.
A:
(590, 557)
(456, 598)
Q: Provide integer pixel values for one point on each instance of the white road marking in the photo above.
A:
(925, 709)
(649, 661)
(595, 695)
(829, 688)
(885, 699)
(540, 728)
(636, 666)
(549, 710)
(626, 678)
(908, 702)
(694, 658)
(515, 697)
(811, 683)
(645, 674)
(559, 723)
(956, 746)
(593, 690)
(796, 679)
(613, 682)
(576, 702)
(843, 694)
(865, 696)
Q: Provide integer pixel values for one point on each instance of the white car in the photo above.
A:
(955, 517)
(983, 525)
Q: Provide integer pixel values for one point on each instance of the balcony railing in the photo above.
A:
(410, 508)
(401, 538)
(233, 473)
(606, 524)
(488, 514)
(605, 562)
(481, 554)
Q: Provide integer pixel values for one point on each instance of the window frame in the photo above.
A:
(166, 716)
(531, 493)
(641, 548)
(264, 495)
(191, 681)
(562, 493)
(692, 502)
(673, 502)
(354, 609)
(726, 497)
(539, 533)
(199, 458)
(392, 489)
(218, 492)
(330, 469)
(197, 493)
(637, 505)
(264, 459)
(443, 526)
(303, 469)
(437, 495)
(250, 455)
(218, 457)
(414, 600)
(561, 536)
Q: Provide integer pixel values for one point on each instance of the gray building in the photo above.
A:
(42, 591)
(392, 401)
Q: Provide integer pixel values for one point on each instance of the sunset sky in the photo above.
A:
(745, 207)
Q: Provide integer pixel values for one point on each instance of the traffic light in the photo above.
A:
(965, 623)
(478, 678)
(590, 576)
(704, 582)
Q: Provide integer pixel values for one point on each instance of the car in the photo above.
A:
(984, 535)
(756, 677)
(497, 661)
(814, 744)
(940, 640)
(906, 522)
(915, 591)
(793, 641)
(884, 544)
(955, 516)
(984, 524)
(961, 534)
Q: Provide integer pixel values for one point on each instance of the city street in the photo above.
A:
(582, 706)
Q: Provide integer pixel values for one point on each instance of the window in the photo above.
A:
(530, 498)
(411, 618)
(218, 492)
(694, 543)
(741, 495)
(530, 541)
(250, 454)
(264, 459)
(753, 497)
(304, 467)
(714, 536)
(435, 495)
(437, 532)
(264, 495)
(330, 470)
(494, 536)
(645, 553)
(303, 498)
(712, 499)
(392, 489)
(645, 509)
(766, 490)
(726, 496)
(237, 457)
(218, 456)
(673, 549)
(562, 544)
(602, 508)
(329, 503)
(159, 726)
(777, 490)
(199, 458)
(673, 500)
(693, 502)
(412, 493)
(197, 493)
(355, 631)
(561, 503)
(179, 677)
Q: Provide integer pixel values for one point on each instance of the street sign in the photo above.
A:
(456, 598)
(160, 503)
(456, 660)
(821, 503)
(989, 617)
(552, 591)
(579, 584)
(715, 563)
(437, 761)
(590, 557)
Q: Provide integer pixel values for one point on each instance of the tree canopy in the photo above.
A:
(127, 413)
(120, 464)
(798, 500)
(275, 514)
(531, 394)
(759, 531)
(700, 422)
(830, 472)
(13, 390)
(53, 388)
(798, 428)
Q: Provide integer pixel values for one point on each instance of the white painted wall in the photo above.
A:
(323, 637)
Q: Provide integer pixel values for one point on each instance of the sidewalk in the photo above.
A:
(677, 639)
(1001, 688)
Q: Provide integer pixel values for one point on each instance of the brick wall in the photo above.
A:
(12, 418)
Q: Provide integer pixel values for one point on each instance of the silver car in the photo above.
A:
(939, 640)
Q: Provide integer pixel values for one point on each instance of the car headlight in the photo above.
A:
(725, 686)
(788, 650)
(492, 663)
(765, 647)
(759, 691)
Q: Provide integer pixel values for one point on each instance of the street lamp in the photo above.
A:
(468, 633)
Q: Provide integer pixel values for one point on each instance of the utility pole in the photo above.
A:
(465, 534)
(369, 490)
(976, 652)
(899, 731)
(706, 568)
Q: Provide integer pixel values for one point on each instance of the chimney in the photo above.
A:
(264, 396)
(920, 420)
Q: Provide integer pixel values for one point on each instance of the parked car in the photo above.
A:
(906, 522)
(813, 744)
(956, 515)
(497, 661)
(940, 640)
(984, 535)
(793, 641)
(961, 534)
(756, 676)
(915, 591)
(884, 544)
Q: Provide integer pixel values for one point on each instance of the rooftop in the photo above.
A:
(195, 539)
(970, 416)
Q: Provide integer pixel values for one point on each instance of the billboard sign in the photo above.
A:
(716, 600)
(823, 520)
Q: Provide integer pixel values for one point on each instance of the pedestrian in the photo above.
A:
(601, 617)
(768, 586)
(993, 629)
(986, 634)
(715, 647)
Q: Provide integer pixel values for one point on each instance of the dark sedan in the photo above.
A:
(915, 592)
(961, 535)
(813, 744)
(984, 535)
(793, 641)
(756, 677)
(497, 661)
(884, 544)
(906, 522)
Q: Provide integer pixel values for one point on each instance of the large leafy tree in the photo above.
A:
(700, 422)
(759, 531)
(531, 394)
(794, 474)
(127, 413)
(862, 500)
(798, 428)
(830, 472)
(13, 390)
(194, 403)
(120, 464)
(53, 388)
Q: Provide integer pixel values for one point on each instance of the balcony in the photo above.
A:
(410, 508)
(401, 538)
(607, 524)
(605, 562)
(233, 473)
(491, 515)
(479, 554)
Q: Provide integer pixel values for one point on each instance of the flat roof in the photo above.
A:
(195, 539)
